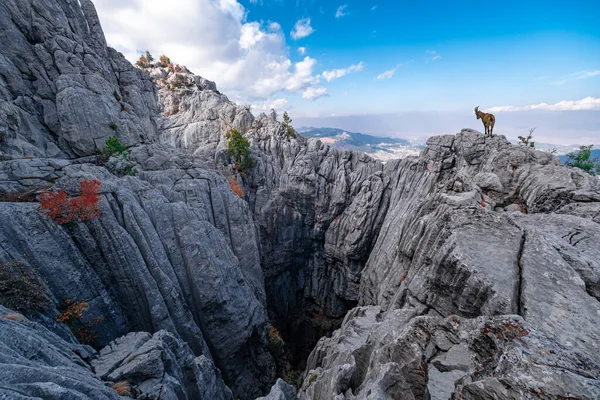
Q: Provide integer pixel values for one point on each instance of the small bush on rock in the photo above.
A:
(73, 312)
(20, 289)
(123, 388)
(238, 148)
(113, 146)
(235, 187)
(583, 159)
(287, 125)
(526, 141)
(64, 210)
(164, 61)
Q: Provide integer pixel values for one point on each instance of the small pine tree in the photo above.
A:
(238, 148)
(287, 124)
(526, 141)
(149, 57)
(164, 60)
(142, 62)
(583, 159)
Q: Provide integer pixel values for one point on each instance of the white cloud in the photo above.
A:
(387, 74)
(588, 103)
(341, 11)
(313, 93)
(576, 76)
(247, 59)
(432, 55)
(374, 8)
(277, 104)
(302, 50)
(302, 29)
(338, 73)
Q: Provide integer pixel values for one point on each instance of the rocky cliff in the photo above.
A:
(470, 271)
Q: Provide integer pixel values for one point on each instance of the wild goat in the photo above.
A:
(488, 120)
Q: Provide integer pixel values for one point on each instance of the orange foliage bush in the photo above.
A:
(235, 187)
(123, 388)
(71, 316)
(75, 310)
(64, 210)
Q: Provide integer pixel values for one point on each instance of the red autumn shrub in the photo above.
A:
(87, 204)
(235, 187)
(64, 210)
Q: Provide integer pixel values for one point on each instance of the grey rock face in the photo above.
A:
(35, 362)
(63, 91)
(443, 251)
(383, 355)
(160, 366)
(161, 256)
(280, 391)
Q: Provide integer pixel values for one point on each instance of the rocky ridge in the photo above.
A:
(474, 266)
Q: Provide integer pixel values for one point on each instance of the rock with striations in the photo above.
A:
(64, 92)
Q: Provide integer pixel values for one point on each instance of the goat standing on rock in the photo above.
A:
(488, 120)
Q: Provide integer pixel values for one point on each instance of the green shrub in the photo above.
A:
(526, 141)
(20, 289)
(293, 377)
(117, 97)
(287, 124)
(238, 148)
(114, 146)
(583, 159)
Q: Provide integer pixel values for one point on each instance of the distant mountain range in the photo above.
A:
(388, 148)
(383, 148)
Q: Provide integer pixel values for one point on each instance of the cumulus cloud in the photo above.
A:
(588, 103)
(432, 55)
(302, 29)
(313, 93)
(248, 59)
(302, 50)
(387, 74)
(576, 76)
(338, 73)
(341, 11)
(277, 105)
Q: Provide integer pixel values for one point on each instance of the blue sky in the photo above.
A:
(491, 54)
(323, 59)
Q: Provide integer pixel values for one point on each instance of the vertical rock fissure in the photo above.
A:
(519, 289)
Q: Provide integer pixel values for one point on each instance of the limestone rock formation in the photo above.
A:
(398, 354)
(156, 261)
(470, 271)
(37, 363)
(63, 91)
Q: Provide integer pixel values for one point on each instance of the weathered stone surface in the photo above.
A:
(63, 91)
(280, 391)
(154, 261)
(36, 363)
(383, 355)
(160, 366)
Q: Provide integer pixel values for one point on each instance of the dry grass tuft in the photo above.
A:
(123, 388)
